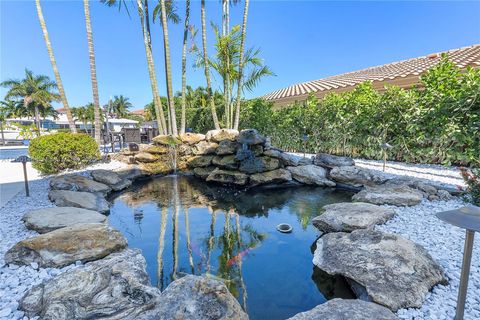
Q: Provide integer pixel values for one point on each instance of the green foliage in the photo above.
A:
(439, 122)
(60, 151)
(472, 180)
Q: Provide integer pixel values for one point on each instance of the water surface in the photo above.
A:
(185, 226)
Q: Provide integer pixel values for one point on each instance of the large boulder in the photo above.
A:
(154, 149)
(226, 147)
(346, 309)
(198, 298)
(287, 159)
(228, 177)
(221, 135)
(111, 179)
(349, 216)
(205, 147)
(75, 182)
(49, 219)
(259, 164)
(199, 161)
(331, 161)
(356, 176)
(311, 174)
(203, 172)
(166, 140)
(85, 200)
(61, 247)
(192, 138)
(391, 270)
(275, 176)
(397, 195)
(250, 137)
(146, 157)
(132, 172)
(116, 287)
(226, 162)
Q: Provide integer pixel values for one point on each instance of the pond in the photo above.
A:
(10, 154)
(184, 225)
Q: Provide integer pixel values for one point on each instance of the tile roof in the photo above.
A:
(462, 57)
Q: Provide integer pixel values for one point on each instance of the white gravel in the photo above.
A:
(16, 280)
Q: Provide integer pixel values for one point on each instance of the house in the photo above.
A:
(404, 74)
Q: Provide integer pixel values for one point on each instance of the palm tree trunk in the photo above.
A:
(240, 66)
(37, 119)
(168, 70)
(162, 125)
(54, 66)
(189, 245)
(226, 83)
(3, 135)
(207, 69)
(161, 246)
(184, 68)
(93, 72)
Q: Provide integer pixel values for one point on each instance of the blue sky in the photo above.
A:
(300, 41)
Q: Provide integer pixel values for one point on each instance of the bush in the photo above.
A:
(60, 151)
(472, 180)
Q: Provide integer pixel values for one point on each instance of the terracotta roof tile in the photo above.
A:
(462, 57)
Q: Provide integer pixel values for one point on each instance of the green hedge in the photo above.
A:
(439, 122)
(60, 151)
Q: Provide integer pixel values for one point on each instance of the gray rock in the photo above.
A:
(205, 147)
(132, 173)
(226, 147)
(111, 178)
(192, 138)
(228, 177)
(349, 216)
(85, 200)
(199, 161)
(116, 287)
(225, 162)
(221, 135)
(259, 164)
(331, 161)
(356, 176)
(166, 140)
(275, 176)
(444, 195)
(49, 219)
(61, 247)
(250, 137)
(203, 173)
(311, 174)
(145, 157)
(74, 182)
(394, 271)
(287, 159)
(198, 298)
(351, 309)
(390, 194)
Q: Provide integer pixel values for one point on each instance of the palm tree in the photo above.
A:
(240, 66)
(168, 69)
(93, 72)
(207, 71)
(120, 106)
(34, 92)
(184, 67)
(7, 109)
(142, 9)
(54, 66)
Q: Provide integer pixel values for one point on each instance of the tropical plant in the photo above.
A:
(53, 61)
(472, 180)
(85, 114)
(7, 109)
(33, 93)
(119, 106)
(53, 153)
(93, 72)
(207, 68)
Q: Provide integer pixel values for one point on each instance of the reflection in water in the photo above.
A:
(230, 235)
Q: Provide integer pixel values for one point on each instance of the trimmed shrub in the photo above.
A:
(60, 151)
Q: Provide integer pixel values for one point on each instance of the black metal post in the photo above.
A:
(27, 191)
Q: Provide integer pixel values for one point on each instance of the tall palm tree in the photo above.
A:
(120, 106)
(184, 67)
(54, 66)
(142, 9)
(207, 67)
(240, 66)
(93, 72)
(33, 92)
(168, 70)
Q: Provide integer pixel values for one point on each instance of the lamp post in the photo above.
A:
(467, 218)
(24, 160)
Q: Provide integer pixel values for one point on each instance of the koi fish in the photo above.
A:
(237, 258)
